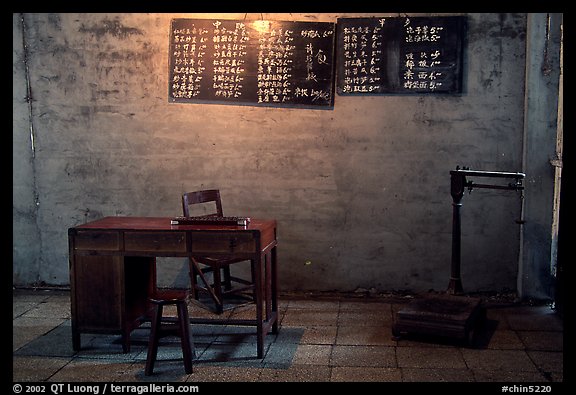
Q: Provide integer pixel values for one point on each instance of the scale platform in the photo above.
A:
(449, 316)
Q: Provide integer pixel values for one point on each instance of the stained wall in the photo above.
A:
(361, 192)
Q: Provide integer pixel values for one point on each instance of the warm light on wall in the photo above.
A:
(262, 26)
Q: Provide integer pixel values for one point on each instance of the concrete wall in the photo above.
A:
(26, 234)
(361, 191)
(537, 274)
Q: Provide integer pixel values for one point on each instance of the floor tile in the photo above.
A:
(365, 336)
(281, 355)
(432, 374)
(507, 376)
(548, 361)
(312, 354)
(505, 360)
(27, 368)
(424, 357)
(542, 340)
(296, 335)
(539, 318)
(351, 305)
(505, 340)
(374, 356)
(323, 305)
(19, 308)
(330, 339)
(90, 371)
(296, 373)
(365, 318)
(204, 373)
(365, 374)
(321, 334)
(310, 317)
(47, 309)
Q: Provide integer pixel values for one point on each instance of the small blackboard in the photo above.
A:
(404, 55)
(264, 63)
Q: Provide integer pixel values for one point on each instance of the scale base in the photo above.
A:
(448, 316)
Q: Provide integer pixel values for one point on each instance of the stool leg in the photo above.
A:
(184, 329)
(125, 341)
(218, 291)
(153, 341)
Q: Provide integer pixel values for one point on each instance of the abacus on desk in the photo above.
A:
(210, 220)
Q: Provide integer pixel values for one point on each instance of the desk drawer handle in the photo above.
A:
(233, 244)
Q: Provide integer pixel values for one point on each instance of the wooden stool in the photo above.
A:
(180, 327)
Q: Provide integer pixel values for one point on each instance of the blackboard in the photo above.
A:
(263, 63)
(407, 55)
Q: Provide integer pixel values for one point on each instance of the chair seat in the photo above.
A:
(218, 262)
(169, 296)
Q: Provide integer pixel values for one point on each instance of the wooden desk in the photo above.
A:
(113, 270)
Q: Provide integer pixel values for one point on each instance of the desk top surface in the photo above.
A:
(163, 224)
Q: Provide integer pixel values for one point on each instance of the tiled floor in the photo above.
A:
(320, 339)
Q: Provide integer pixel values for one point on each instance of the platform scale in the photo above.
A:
(452, 315)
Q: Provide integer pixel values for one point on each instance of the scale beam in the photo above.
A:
(458, 183)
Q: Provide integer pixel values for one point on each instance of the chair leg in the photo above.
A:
(193, 280)
(217, 298)
(153, 341)
(184, 332)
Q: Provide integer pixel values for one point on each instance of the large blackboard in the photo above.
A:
(400, 55)
(268, 63)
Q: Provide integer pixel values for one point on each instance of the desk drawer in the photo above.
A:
(155, 241)
(223, 242)
(97, 240)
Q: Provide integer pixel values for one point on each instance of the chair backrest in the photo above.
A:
(200, 197)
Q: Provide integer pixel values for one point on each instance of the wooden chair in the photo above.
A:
(161, 327)
(219, 267)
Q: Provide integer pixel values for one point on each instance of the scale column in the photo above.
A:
(457, 184)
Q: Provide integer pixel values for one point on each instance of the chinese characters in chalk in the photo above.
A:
(423, 69)
(273, 63)
(275, 58)
(362, 58)
(230, 51)
(420, 70)
(276, 62)
(189, 50)
(382, 55)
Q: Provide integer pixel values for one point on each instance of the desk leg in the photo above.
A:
(268, 286)
(274, 286)
(271, 290)
(75, 339)
(257, 271)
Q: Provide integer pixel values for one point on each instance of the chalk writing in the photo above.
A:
(275, 58)
(228, 59)
(400, 55)
(273, 63)
(416, 75)
(421, 33)
(423, 69)
(189, 49)
(362, 59)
